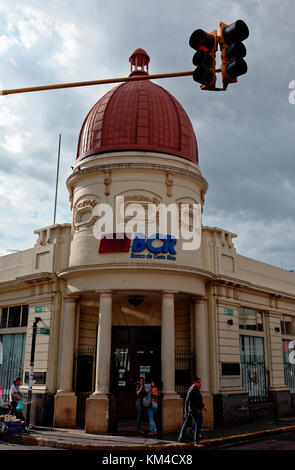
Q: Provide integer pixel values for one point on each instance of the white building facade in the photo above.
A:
(114, 317)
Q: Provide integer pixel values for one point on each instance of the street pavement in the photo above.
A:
(279, 442)
(77, 439)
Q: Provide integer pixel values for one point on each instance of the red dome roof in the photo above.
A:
(138, 115)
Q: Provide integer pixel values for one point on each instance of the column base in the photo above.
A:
(172, 413)
(65, 409)
(97, 414)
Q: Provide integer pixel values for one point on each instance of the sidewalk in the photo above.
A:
(77, 439)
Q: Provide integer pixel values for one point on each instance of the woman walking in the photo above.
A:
(152, 410)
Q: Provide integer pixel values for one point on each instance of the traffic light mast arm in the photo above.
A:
(95, 82)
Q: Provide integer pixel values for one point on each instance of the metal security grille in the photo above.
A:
(11, 368)
(184, 369)
(84, 369)
(255, 379)
(12, 361)
(289, 373)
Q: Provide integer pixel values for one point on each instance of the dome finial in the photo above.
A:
(139, 63)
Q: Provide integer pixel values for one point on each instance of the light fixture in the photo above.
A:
(135, 300)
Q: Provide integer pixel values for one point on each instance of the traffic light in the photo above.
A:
(233, 51)
(204, 59)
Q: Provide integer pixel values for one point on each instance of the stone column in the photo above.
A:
(172, 406)
(201, 340)
(97, 406)
(65, 401)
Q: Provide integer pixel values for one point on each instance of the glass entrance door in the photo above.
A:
(136, 352)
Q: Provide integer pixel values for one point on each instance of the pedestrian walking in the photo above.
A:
(140, 393)
(15, 395)
(193, 411)
(153, 408)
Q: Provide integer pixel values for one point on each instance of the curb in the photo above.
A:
(209, 443)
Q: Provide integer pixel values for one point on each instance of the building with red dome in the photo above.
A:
(117, 309)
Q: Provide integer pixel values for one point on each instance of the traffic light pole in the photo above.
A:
(31, 371)
(95, 82)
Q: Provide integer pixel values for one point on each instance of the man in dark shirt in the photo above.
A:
(193, 410)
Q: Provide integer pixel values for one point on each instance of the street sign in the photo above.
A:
(40, 309)
(228, 311)
(43, 331)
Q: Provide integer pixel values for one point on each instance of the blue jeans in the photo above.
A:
(152, 410)
(198, 418)
(138, 405)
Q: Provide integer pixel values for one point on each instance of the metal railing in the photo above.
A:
(255, 380)
(289, 373)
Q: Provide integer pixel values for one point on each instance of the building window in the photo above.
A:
(12, 360)
(14, 317)
(287, 326)
(254, 374)
(250, 319)
(289, 368)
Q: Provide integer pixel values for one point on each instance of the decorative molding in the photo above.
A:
(143, 166)
(107, 181)
(79, 206)
(169, 184)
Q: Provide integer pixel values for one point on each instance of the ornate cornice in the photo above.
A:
(136, 165)
(64, 273)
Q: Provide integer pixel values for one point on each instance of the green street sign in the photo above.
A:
(40, 309)
(228, 311)
(43, 331)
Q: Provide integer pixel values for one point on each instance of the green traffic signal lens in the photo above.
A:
(236, 68)
(236, 49)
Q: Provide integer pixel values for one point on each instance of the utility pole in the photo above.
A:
(31, 371)
(56, 182)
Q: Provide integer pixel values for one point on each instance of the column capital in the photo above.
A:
(104, 292)
(169, 292)
(199, 300)
(71, 297)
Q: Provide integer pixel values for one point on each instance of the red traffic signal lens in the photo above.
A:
(202, 58)
(236, 68)
(237, 31)
(201, 40)
(203, 75)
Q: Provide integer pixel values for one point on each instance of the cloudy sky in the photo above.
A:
(245, 135)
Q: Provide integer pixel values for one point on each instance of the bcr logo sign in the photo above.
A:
(166, 246)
